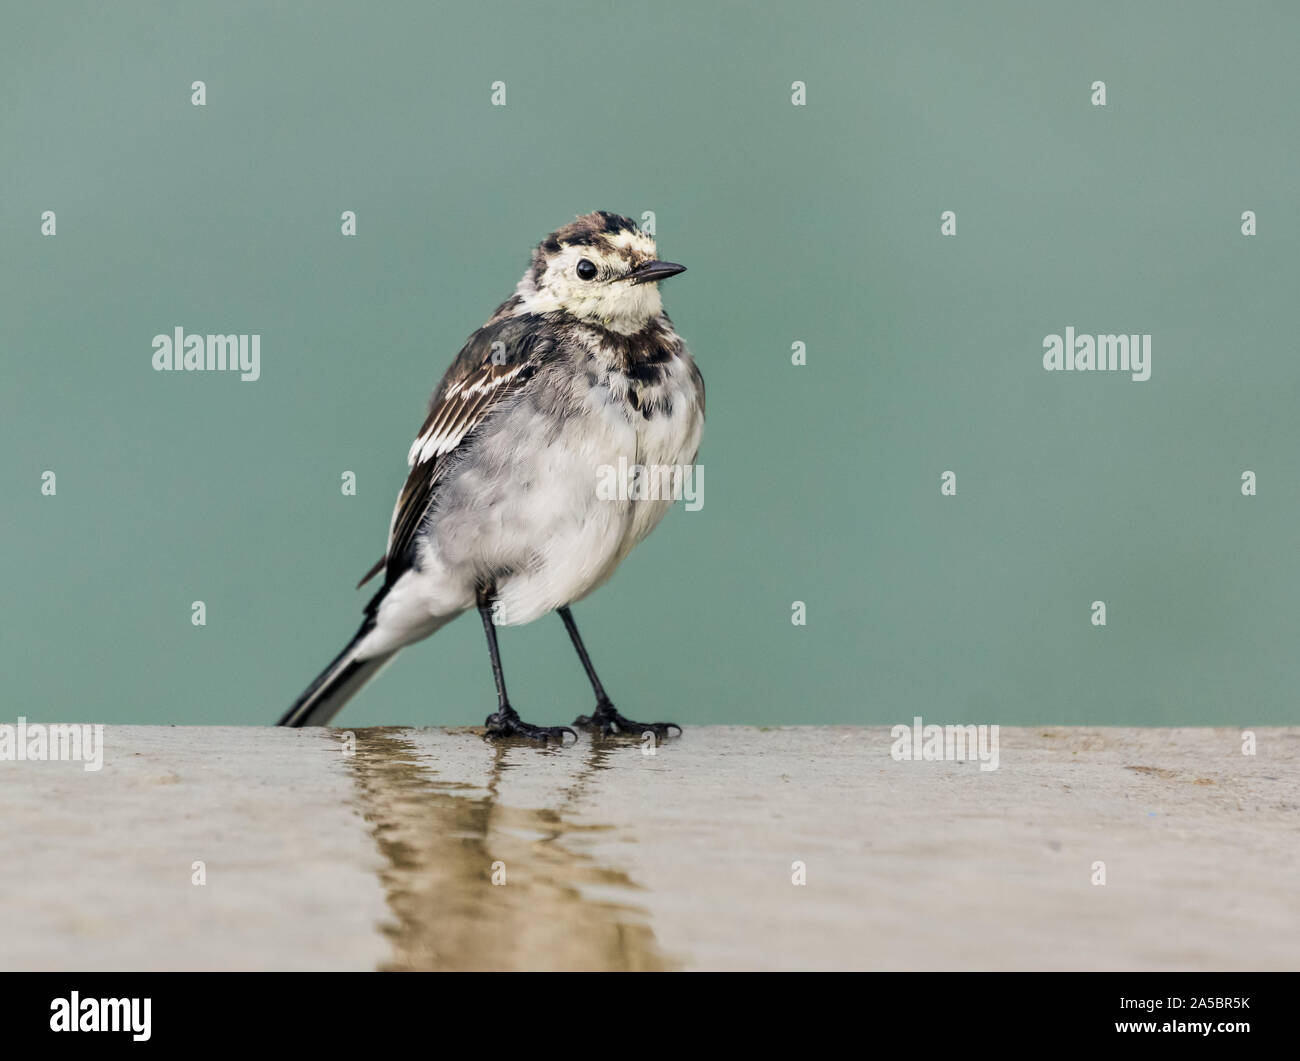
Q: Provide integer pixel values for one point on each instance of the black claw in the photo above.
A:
(609, 723)
(507, 723)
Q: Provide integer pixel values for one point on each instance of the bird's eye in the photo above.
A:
(586, 270)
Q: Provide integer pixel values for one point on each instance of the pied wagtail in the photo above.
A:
(500, 512)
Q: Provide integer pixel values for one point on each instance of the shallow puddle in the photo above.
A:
(445, 843)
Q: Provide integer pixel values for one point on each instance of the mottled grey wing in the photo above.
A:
(495, 363)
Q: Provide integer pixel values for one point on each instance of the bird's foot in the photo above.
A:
(607, 722)
(507, 723)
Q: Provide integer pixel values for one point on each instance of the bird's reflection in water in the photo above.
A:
(445, 842)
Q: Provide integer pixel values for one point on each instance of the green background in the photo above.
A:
(817, 223)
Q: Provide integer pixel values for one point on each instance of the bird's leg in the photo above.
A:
(605, 720)
(505, 721)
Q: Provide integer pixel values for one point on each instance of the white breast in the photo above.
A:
(526, 512)
(578, 537)
(541, 523)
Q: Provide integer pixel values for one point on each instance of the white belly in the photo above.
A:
(569, 537)
(528, 515)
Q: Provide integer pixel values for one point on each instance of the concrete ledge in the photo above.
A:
(614, 859)
(98, 866)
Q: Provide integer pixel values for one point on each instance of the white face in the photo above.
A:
(608, 298)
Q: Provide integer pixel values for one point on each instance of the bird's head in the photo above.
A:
(600, 269)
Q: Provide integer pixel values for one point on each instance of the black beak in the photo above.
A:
(649, 272)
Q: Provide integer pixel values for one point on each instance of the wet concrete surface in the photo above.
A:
(477, 884)
(730, 848)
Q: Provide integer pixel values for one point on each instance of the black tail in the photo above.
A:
(336, 684)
